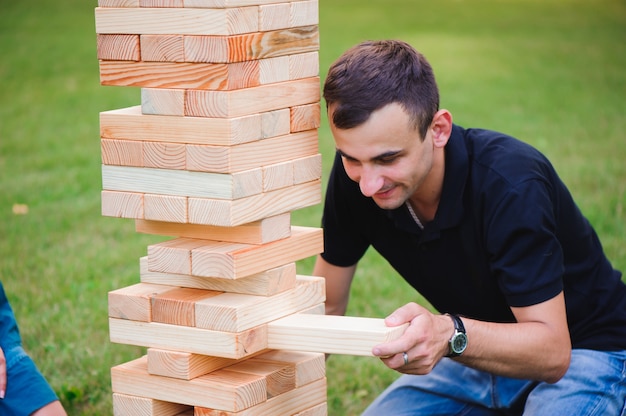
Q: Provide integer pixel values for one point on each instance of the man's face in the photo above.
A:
(385, 155)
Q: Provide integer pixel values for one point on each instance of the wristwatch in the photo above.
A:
(458, 342)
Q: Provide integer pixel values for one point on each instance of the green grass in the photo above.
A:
(550, 72)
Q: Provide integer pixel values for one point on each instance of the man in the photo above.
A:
(533, 316)
(23, 389)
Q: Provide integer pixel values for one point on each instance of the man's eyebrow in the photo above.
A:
(381, 156)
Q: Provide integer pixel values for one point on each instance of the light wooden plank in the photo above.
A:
(274, 16)
(304, 13)
(162, 48)
(274, 70)
(124, 404)
(118, 3)
(305, 117)
(163, 155)
(184, 21)
(319, 410)
(276, 176)
(258, 232)
(275, 123)
(330, 334)
(229, 3)
(129, 123)
(266, 283)
(118, 47)
(188, 339)
(161, 3)
(159, 101)
(309, 366)
(289, 403)
(307, 168)
(183, 365)
(173, 256)
(222, 390)
(221, 159)
(178, 306)
(238, 260)
(235, 312)
(122, 152)
(122, 204)
(201, 76)
(304, 65)
(244, 210)
(165, 208)
(134, 302)
(279, 377)
(202, 103)
(251, 46)
(182, 182)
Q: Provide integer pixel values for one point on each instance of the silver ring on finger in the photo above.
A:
(406, 358)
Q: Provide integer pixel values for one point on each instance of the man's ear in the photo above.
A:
(441, 127)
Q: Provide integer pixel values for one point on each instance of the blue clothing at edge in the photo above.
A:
(27, 389)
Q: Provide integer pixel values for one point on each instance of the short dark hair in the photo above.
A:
(373, 74)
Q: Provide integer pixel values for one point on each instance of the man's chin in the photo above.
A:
(388, 204)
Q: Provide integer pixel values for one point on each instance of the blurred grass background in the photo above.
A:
(551, 72)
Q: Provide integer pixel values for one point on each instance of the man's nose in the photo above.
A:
(370, 182)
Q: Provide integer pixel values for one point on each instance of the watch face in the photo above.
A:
(459, 343)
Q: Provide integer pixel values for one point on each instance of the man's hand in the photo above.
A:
(425, 341)
(3, 374)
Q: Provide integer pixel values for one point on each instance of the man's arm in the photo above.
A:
(537, 347)
(338, 281)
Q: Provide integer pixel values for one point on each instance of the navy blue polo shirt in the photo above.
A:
(506, 233)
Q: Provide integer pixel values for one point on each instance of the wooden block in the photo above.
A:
(188, 339)
(278, 176)
(231, 260)
(274, 16)
(304, 65)
(235, 312)
(304, 13)
(330, 334)
(202, 103)
(259, 45)
(289, 403)
(122, 204)
(182, 182)
(183, 21)
(279, 377)
(229, 3)
(130, 123)
(258, 232)
(200, 76)
(267, 283)
(227, 391)
(305, 117)
(183, 365)
(178, 306)
(319, 410)
(161, 3)
(274, 70)
(162, 48)
(173, 256)
(118, 3)
(309, 366)
(275, 123)
(164, 155)
(118, 47)
(165, 208)
(122, 152)
(134, 302)
(244, 210)
(124, 404)
(307, 168)
(222, 159)
(159, 101)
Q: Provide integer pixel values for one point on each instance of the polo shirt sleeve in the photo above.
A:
(526, 256)
(344, 240)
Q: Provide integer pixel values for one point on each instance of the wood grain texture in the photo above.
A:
(118, 47)
(124, 404)
(134, 302)
(183, 365)
(121, 204)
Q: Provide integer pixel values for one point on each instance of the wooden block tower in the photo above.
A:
(221, 150)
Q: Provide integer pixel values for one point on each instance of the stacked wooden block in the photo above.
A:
(221, 150)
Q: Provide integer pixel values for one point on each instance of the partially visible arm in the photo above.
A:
(537, 347)
(3, 374)
(338, 281)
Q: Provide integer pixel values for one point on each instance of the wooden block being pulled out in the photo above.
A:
(330, 334)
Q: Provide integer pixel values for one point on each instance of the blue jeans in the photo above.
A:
(595, 384)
